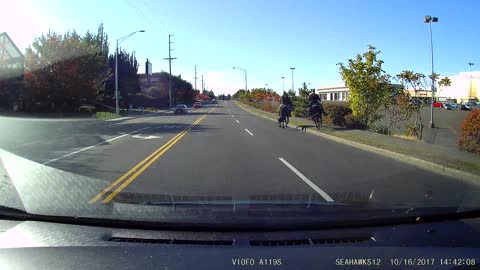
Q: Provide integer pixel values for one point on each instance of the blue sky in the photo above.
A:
(266, 37)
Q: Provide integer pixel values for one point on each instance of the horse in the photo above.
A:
(287, 118)
(315, 114)
(283, 113)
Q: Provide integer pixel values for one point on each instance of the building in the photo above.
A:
(12, 65)
(333, 92)
(338, 92)
(464, 87)
(147, 81)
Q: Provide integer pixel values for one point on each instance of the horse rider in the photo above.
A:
(287, 100)
(314, 100)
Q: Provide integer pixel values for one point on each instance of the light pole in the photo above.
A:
(429, 19)
(283, 84)
(293, 88)
(309, 87)
(245, 71)
(266, 85)
(470, 77)
(120, 40)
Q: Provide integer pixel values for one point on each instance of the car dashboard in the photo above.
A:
(48, 245)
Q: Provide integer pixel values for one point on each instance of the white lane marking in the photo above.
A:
(306, 180)
(118, 119)
(90, 147)
(453, 130)
(249, 132)
(237, 121)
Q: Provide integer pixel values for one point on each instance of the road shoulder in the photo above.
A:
(464, 166)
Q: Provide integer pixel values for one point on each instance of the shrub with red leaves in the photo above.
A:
(469, 139)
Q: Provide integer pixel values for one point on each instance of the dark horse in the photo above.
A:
(315, 113)
(283, 113)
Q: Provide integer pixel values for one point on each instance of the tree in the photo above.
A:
(369, 86)
(128, 82)
(405, 108)
(291, 93)
(63, 71)
(304, 91)
(445, 82)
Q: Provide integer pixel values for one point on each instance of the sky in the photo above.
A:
(265, 37)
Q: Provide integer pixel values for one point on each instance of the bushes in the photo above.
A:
(336, 112)
(354, 122)
(469, 139)
(264, 106)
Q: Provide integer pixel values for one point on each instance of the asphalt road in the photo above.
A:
(221, 152)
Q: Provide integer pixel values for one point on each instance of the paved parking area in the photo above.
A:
(447, 126)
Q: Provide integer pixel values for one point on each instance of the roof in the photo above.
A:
(331, 87)
(9, 53)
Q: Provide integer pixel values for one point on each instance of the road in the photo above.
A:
(220, 152)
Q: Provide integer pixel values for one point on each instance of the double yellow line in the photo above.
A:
(134, 172)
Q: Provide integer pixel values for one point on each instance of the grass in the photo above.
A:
(106, 115)
(405, 137)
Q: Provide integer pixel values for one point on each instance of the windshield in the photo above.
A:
(88, 130)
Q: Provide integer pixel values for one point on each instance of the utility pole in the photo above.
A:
(203, 85)
(170, 68)
(196, 77)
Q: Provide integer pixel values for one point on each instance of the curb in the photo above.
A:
(419, 163)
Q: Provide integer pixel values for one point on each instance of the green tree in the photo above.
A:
(445, 82)
(128, 81)
(369, 85)
(304, 91)
(291, 93)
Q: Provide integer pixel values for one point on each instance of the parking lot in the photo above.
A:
(447, 126)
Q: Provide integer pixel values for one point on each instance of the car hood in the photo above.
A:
(45, 191)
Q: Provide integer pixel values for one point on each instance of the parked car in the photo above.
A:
(453, 105)
(438, 104)
(447, 106)
(180, 108)
(197, 105)
(468, 106)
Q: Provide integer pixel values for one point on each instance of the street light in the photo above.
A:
(266, 85)
(293, 88)
(244, 70)
(429, 19)
(470, 90)
(120, 40)
(283, 84)
(309, 87)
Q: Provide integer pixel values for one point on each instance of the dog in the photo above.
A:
(303, 127)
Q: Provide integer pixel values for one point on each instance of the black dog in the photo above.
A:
(303, 127)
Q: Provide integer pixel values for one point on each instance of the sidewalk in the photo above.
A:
(444, 157)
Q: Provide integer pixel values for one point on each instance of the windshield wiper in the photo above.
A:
(12, 213)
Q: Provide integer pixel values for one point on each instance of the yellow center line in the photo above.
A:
(141, 170)
(168, 144)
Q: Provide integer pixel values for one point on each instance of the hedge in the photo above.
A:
(336, 112)
(469, 139)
